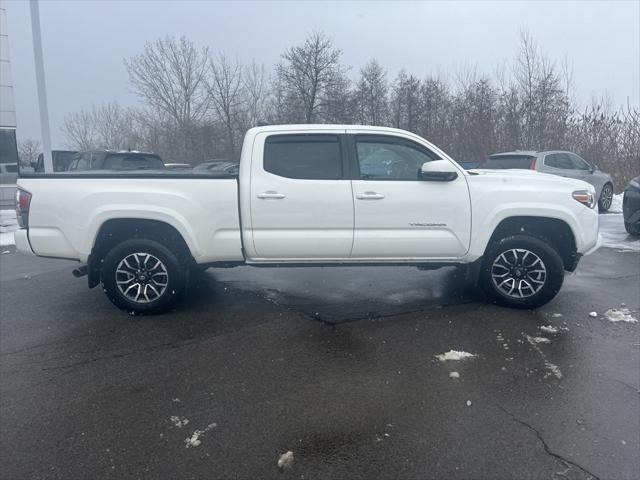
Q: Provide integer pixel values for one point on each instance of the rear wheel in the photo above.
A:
(142, 276)
(606, 197)
(522, 271)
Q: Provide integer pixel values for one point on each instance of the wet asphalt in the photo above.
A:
(335, 364)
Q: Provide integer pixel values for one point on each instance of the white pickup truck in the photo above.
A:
(312, 195)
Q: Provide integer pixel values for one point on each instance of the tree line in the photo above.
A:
(197, 105)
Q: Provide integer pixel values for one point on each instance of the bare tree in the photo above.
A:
(225, 90)
(255, 92)
(308, 72)
(28, 151)
(371, 95)
(170, 77)
(108, 126)
(406, 102)
(79, 130)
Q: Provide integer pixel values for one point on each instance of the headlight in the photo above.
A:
(585, 198)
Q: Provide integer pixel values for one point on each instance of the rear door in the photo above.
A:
(301, 201)
(399, 216)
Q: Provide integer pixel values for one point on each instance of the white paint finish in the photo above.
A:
(203, 211)
(314, 221)
(292, 218)
(412, 219)
(500, 194)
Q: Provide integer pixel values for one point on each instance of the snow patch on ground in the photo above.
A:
(549, 329)
(8, 225)
(454, 355)
(556, 315)
(620, 315)
(285, 461)
(552, 368)
(538, 339)
(593, 314)
(616, 203)
(179, 422)
(194, 440)
(615, 236)
(454, 375)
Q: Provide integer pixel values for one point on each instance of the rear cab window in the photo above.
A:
(525, 162)
(304, 156)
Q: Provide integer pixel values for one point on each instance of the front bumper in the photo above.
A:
(22, 241)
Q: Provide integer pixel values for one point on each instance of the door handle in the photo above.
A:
(271, 194)
(369, 196)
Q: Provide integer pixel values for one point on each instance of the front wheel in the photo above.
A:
(522, 271)
(606, 198)
(632, 229)
(142, 276)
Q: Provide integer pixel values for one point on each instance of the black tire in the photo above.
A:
(606, 197)
(546, 284)
(632, 229)
(127, 253)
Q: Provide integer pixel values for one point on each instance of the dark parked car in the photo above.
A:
(557, 162)
(61, 160)
(221, 167)
(112, 160)
(631, 207)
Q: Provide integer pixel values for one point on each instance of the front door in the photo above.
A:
(399, 216)
(301, 201)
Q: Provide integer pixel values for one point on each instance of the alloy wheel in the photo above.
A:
(518, 273)
(142, 277)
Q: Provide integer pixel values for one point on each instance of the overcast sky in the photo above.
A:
(84, 42)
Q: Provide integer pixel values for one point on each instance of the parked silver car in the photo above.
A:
(557, 162)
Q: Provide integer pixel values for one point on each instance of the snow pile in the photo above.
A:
(616, 203)
(179, 422)
(8, 225)
(620, 315)
(454, 375)
(454, 355)
(538, 339)
(285, 462)
(593, 314)
(549, 329)
(194, 440)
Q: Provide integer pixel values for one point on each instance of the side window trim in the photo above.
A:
(393, 139)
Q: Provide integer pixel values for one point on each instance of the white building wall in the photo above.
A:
(7, 103)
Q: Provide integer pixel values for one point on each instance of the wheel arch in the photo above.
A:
(114, 231)
(554, 231)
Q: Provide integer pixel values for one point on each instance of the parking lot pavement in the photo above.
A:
(336, 365)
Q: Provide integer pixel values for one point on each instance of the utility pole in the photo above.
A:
(42, 89)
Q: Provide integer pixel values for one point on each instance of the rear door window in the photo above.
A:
(559, 160)
(304, 156)
(578, 163)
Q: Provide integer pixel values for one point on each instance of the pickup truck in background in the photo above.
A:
(312, 195)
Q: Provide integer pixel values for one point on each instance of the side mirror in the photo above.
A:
(438, 171)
